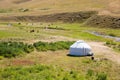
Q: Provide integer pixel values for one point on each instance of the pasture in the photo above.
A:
(33, 32)
(56, 64)
(35, 36)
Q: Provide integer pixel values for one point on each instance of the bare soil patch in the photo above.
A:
(100, 49)
(22, 62)
(52, 39)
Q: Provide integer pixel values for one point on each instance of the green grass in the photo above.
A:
(61, 68)
(13, 49)
(53, 46)
(57, 65)
(5, 10)
(71, 30)
(44, 72)
(114, 45)
(39, 72)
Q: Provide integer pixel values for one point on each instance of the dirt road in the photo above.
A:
(99, 49)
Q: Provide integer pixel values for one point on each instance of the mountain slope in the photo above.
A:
(60, 6)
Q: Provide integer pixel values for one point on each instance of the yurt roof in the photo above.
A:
(80, 44)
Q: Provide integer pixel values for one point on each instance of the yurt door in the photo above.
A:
(84, 51)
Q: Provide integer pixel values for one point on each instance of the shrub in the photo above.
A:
(23, 10)
(52, 47)
(90, 72)
(101, 76)
(108, 42)
(60, 45)
(41, 46)
(29, 48)
(1, 57)
(114, 45)
(111, 34)
(13, 49)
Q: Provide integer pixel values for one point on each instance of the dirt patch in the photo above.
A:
(51, 39)
(99, 49)
(22, 62)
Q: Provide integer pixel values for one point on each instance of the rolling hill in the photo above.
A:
(59, 6)
(108, 11)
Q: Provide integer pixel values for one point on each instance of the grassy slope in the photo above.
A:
(53, 3)
(22, 32)
(52, 6)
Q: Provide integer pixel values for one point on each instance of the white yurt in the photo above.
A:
(80, 48)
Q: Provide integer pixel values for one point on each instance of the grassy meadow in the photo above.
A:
(39, 31)
(39, 50)
(57, 65)
(52, 64)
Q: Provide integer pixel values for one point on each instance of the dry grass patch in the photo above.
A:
(60, 59)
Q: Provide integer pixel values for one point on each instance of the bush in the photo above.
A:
(108, 42)
(1, 57)
(23, 10)
(60, 45)
(90, 72)
(29, 48)
(13, 49)
(101, 76)
(41, 46)
(111, 34)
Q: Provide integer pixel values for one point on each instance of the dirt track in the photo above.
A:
(100, 50)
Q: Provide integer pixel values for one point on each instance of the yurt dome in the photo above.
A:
(80, 48)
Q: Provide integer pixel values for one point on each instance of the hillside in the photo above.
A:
(66, 11)
(39, 7)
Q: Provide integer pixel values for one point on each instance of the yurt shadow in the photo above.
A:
(78, 55)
